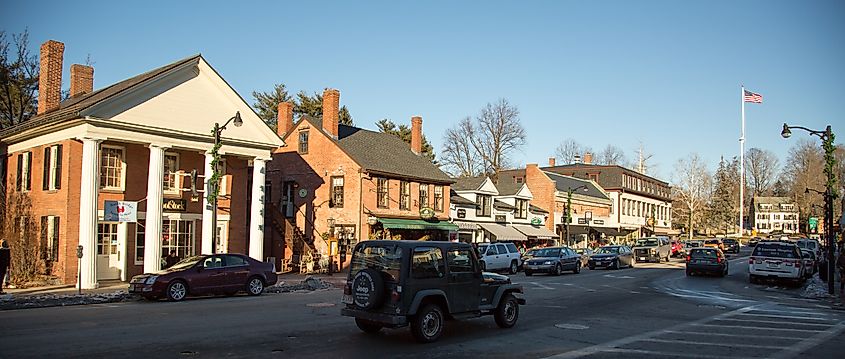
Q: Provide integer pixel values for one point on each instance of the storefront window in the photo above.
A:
(404, 195)
(381, 189)
(139, 242)
(177, 235)
(438, 198)
(107, 238)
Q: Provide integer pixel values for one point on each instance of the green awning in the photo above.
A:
(393, 223)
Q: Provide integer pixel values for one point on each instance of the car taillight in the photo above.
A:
(718, 259)
(347, 289)
(688, 258)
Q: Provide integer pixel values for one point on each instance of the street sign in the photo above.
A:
(582, 221)
(813, 223)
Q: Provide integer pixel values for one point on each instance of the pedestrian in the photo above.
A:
(5, 261)
(171, 259)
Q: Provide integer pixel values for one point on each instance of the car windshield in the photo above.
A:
(531, 252)
(694, 244)
(186, 263)
(711, 241)
(779, 250)
(730, 241)
(646, 242)
(548, 252)
(703, 253)
(801, 244)
(608, 250)
(385, 258)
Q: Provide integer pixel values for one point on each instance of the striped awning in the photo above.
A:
(503, 232)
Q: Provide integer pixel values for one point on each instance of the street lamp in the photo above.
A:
(588, 217)
(214, 181)
(567, 215)
(830, 194)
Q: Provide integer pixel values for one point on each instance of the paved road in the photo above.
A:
(649, 311)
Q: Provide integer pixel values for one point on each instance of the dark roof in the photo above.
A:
(70, 109)
(610, 177)
(508, 188)
(536, 209)
(612, 168)
(499, 204)
(468, 183)
(458, 200)
(566, 183)
(383, 153)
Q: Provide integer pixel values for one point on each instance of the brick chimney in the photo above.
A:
(50, 77)
(416, 135)
(284, 121)
(81, 80)
(588, 158)
(331, 110)
(551, 161)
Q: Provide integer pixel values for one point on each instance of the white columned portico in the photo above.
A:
(207, 245)
(90, 178)
(152, 232)
(256, 222)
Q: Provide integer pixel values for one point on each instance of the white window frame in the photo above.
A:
(224, 178)
(140, 228)
(122, 167)
(26, 172)
(54, 178)
(176, 187)
(190, 247)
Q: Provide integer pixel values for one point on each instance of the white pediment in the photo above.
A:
(488, 187)
(187, 101)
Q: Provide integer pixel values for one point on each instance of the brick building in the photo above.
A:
(333, 185)
(137, 141)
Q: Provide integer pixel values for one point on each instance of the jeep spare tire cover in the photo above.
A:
(367, 288)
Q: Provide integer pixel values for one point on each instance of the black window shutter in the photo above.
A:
(45, 180)
(29, 171)
(43, 249)
(55, 239)
(19, 180)
(58, 169)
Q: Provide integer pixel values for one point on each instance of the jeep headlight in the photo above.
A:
(151, 279)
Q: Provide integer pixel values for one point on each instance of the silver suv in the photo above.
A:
(499, 256)
(652, 249)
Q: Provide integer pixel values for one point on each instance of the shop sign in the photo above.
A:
(462, 213)
(536, 221)
(174, 205)
(120, 211)
(598, 221)
(426, 213)
(500, 218)
(582, 221)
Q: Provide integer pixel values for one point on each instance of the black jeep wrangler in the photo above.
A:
(396, 283)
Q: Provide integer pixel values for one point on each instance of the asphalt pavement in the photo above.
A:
(651, 310)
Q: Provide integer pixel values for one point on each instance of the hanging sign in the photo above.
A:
(426, 213)
(536, 221)
(120, 211)
(174, 205)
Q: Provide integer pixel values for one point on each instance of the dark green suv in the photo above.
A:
(393, 284)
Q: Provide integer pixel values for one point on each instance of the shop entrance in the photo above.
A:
(108, 252)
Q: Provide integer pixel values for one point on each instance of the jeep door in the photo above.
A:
(427, 270)
(464, 280)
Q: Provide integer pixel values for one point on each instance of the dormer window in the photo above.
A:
(521, 209)
(484, 205)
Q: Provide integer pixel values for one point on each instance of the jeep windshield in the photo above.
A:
(381, 257)
(647, 242)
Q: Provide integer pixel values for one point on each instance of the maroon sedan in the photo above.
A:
(206, 274)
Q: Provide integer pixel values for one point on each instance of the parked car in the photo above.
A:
(392, 284)
(811, 263)
(753, 241)
(614, 257)
(776, 260)
(731, 245)
(693, 243)
(678, 248)
(652, 249)
(499, 256)
(811, 245)
(206, 274)
(554, 260)
(715, 243)
(585, 254)
(706, 260)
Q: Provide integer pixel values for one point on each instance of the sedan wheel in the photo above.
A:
(558, 270)
(176, 291)
(255, 286)
(577, 268)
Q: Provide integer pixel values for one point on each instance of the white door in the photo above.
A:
(108, 255)
(222, 242)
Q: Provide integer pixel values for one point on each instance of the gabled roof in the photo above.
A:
(73, 107)
(773, 200)
(566, 183)
(535, 209)
(383, 153)
(468, 183)
(508, 188)
(458, 200)
(503, 205)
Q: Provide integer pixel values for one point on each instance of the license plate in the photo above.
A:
(642, 258)
(347, 299)
(773, 265)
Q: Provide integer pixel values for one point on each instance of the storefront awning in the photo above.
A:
(394, 223)
(613, 232)
(574, 229)
(503, 233)
(536, 232)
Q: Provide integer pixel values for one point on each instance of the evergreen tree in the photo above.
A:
(723, 208)
(267, 105)
(403, 131)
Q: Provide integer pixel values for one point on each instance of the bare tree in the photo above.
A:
(568, 149)
(804, 168)
(498, 133)
(18, 80)
(640, 163)
(459, 157)
(761, 167)
(611, 155)
(691, 191)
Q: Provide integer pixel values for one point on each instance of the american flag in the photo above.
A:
(749, 96)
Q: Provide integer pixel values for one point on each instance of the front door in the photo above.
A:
(108, 253)
(287, 199)
(222, 240)
(464, 282)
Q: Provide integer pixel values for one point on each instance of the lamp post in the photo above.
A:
(830, 194)
(588, 217)
(331, 223)
(214, 181)
(567, 215)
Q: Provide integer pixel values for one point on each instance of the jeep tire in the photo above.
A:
(367, 326)
(507, 312)
(427, 324)
(368, 289)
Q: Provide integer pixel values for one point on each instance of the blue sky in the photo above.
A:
(662, 73)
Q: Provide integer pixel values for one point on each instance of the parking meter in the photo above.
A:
(79, 255)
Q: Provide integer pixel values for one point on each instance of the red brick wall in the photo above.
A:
(543, 190)
(50, 76)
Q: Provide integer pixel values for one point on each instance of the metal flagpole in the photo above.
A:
(741, 159)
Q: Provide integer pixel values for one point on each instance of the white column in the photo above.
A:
(90, 178)
(256, 222)
(152, 232)
(207, 232)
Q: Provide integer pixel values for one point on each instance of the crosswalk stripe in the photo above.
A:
(753, 327)
(775, 322)
(732, 335)
(686, 342)
(788, 317)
